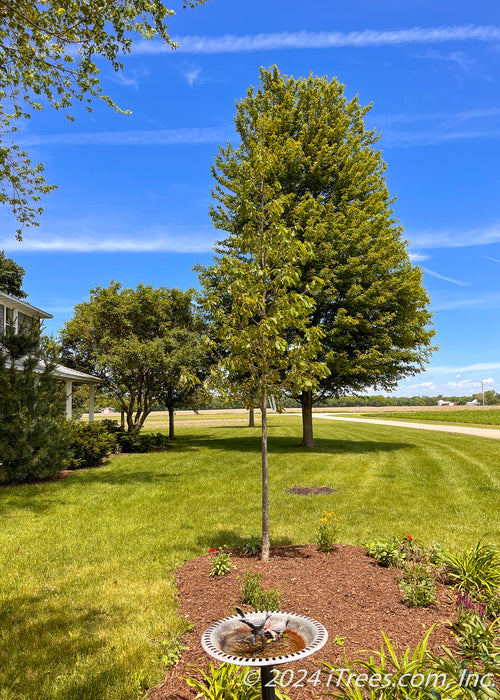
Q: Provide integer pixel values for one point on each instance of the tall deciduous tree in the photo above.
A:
(48, 53)
(135, 340)
(263, 334)
(372, 308)
(11, 277)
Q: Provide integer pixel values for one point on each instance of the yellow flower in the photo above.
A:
(324, 520)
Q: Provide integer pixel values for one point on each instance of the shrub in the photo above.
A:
(477, 570)
(90, 443)
(327, 532)
(141, 442)
(418, 586)
(255, 594)
(136, 442)
(221, 562)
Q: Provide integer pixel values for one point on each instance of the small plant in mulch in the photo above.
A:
(221, 562)
(227, 682)
(327, 532)
(396, 552)
(475, 570)
(252, 546)
(256, 594)
(417, 586)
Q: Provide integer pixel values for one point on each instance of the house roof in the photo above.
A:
(23, 306)
(76, 376)
(62, 372)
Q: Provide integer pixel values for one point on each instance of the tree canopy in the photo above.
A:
(48, 56)
(11, 277)
(372, 309)
(137, 341)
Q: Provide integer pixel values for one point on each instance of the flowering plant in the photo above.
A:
(258, 595)
(327, 532)
(221, 563)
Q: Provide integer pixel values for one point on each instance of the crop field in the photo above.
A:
(475, 416)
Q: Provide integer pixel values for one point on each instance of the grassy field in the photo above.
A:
(87, 596)
(475, 416)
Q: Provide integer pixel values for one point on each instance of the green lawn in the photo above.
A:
(477, 416)
(86, 578)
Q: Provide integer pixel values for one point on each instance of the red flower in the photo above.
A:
(214, 549)
(409, 538)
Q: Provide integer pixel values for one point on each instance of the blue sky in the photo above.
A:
(133, 192)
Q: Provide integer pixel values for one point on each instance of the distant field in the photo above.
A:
(446, 415)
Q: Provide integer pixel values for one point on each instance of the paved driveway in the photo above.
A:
(450, 428)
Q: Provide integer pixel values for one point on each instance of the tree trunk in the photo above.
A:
(122, 420)
(265, 490)
(251, 418)
(171, 428)
(306, 399)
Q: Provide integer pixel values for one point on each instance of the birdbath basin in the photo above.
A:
(264, 640)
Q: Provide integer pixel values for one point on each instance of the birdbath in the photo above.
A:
(264, 640)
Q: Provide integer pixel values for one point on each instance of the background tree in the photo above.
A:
(372, 308)
(249, 291)
(134, 340)
(11, 277)
(48, 53)
(34, 441)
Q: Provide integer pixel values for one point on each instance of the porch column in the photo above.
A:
(69, 399)
(91, 402)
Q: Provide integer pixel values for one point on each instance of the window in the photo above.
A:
(10, 320)
(24, 323)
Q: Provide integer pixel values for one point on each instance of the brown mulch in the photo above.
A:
(310, 490)
(347, 591)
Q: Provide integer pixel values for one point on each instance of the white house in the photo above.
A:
(18, 315)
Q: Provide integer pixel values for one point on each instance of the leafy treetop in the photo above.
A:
(48, 54)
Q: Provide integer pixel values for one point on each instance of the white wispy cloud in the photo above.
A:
(431, 138)
(418, 257)
(455, 117)
(452, 238)
(232, 43)
(158, 137)
(488, 301)
(453, 369)
(192, 75)
(464, 387)
(446, 279)
(492, 259)
(152, 240)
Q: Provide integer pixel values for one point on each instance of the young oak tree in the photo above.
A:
(372, 308)
(263, 335)
(48, 56)
(138, 341)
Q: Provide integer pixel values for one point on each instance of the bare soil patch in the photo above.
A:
(347, 591)
(310, 490)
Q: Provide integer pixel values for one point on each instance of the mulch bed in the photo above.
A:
(347, 591)
(310, 490)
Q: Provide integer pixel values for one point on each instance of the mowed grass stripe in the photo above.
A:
(87, 606)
